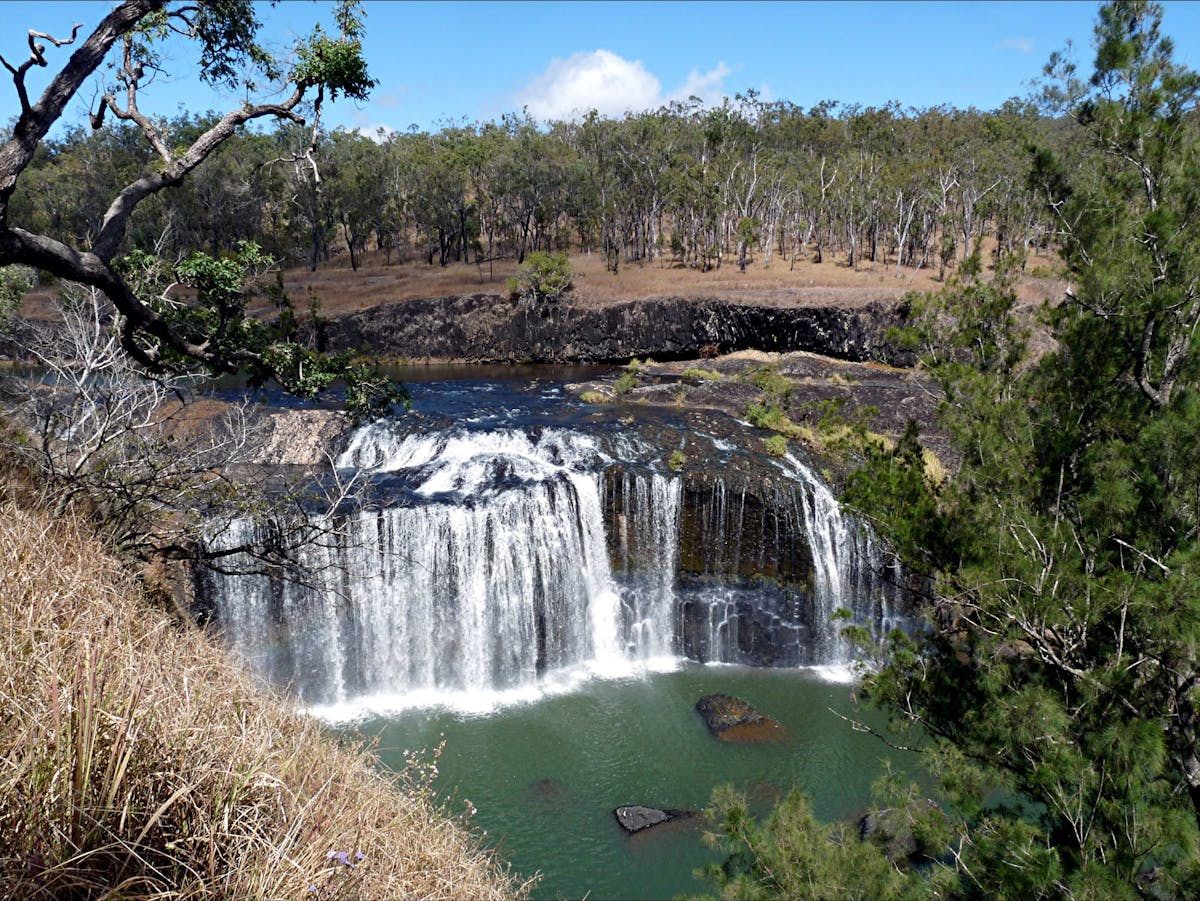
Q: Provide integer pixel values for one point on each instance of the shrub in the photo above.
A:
(765, 415)
(776, 445)
(677, 460)
(544, 277)
(705, 375)
(626, 383)
(772, 383)
(14, 282)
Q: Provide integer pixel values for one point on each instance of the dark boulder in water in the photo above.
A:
(732, 719)
(635, 818)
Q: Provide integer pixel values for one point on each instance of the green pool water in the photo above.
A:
(546, 775)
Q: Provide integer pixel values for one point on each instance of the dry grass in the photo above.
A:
(137, 761)
(831, 283)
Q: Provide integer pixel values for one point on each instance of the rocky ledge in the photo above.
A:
(732, 719)
(491, 328)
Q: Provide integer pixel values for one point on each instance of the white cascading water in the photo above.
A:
(494, 575)
(647, 551)
(842, 553)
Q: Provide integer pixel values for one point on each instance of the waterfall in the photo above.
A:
(846, 562)
(503, 560)
(494, 572)
(644, 509)
(765, 570)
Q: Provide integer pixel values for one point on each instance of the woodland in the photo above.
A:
(686, 184)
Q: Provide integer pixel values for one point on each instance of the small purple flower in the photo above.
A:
(358, 855)
(312, 889)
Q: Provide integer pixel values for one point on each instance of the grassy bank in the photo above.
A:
(137, 761)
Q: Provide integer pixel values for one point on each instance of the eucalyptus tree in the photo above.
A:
(223, 202)
(358, 189)
(645, 148)
(532, 175)
(595, 141)
(162, 335)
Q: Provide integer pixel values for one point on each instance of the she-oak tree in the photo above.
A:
(160, 332)
(1056, 688)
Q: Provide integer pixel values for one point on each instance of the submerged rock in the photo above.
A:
(635, 818)
(548, 792)
(732, 719)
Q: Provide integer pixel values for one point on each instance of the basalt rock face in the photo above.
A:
(487, 328)
(758, 563)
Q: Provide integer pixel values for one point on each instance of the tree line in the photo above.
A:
(690, 185)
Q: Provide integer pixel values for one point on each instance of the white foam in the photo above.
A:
(840, 673)
(485, 703)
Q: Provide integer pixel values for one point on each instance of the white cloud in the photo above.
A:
(368, 129)
(1021, 45)
(708, 86)
(391, 99)
(377, 133)
(611, 85)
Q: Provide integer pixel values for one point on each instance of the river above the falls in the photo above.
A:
(551, 586)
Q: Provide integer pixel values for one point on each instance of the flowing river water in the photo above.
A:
(533, 581)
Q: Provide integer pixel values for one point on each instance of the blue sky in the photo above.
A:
(438, 62)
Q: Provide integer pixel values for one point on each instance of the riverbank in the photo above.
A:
(140, 760)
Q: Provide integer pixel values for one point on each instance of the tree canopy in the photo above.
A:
(1054, 688)
(158, 330)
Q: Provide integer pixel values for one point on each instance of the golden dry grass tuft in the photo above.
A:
(138, 761)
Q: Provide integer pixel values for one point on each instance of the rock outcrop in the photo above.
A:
(732, 719)
(490, 328)
(635, 818)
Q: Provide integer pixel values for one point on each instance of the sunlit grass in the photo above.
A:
(137, 761)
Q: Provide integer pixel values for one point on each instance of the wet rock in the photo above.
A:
(732, 719)
(635, 818)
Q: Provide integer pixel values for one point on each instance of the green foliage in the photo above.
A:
(337, 64)
(14, 282)
(766, 416)
(793, 855)
(1054, 687)
(676, 461)
(776, 445)
(626, 382)
(775, 386)
(703, 375)
(217, 319)
(891, 483)
(747, 230)
(544, 277)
